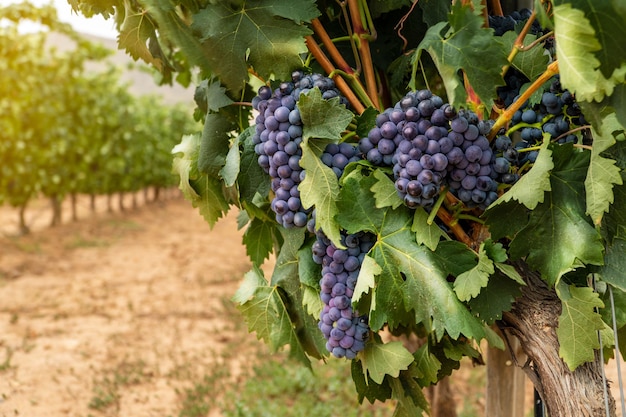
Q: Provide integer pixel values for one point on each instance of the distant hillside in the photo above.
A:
(141, 81)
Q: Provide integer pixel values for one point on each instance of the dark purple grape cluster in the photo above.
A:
(503, 24)
(344, 329)
(337, 156)
(557, 114)
(431, 145)
(471, 177)
(277, 138)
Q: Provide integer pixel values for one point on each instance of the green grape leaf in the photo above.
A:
(308, 270)
(213, 95)
(427, 365)
(320, 189)
(615, 263)
(251, 179)
(602, 174)
(366, 280)
(385, 191)
(469, 283)
(135, 31)
(321, 118)
(266, 311)
(210, 199)
(413, 280)
(426, 234)
(463, 44)
(608, 21)
(532, 63)
(185, 163)
(531, 187)
(258, 239)
(357, 205)
(378, 7)
(505, 219)
(408, 393)
(498, 296)
(619, 301)
(578, 47)
(214, 145)
(366, 387)
(366, 121)
(578, 324)
(232, 164)
(265, 34)
(559, 236)
(380, 359)
(434, 11)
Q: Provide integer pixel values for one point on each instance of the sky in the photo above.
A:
(96, 25)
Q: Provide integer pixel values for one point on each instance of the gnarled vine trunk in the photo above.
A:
(534, 320)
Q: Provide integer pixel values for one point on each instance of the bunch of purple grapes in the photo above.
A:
(344, 329)
(277, 138)
(338, 156)
(431, 145)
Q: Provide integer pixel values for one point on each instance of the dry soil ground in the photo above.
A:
(116, 313)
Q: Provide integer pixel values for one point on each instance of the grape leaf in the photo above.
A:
(602, 174)
(258, 239)
(366, 121)
(185, 163)
(498, 296)
(210, 200)
(366, 387)
(267, 313)
(408, 393)
(434, 11)
(320, 189)
(559, 235)
(385, 191)
(615, 263)
(357, 208)
(214, 145)
(231, 167)
(468, 284)
(427, 365)
(609, 24)
(322, 119)
(426, 234)
(213, 95)
(532, 63)
(531, 187)
(463, 44)
(413, 280)
(366, 280)
(577, 47)
(135, 31)
(255, 33)
(380, 359)
(619, 301)
(251, 180)
(578, 324)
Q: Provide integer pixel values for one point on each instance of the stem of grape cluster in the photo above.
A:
(325, 63)
(518, 45)
(334, 53)
(364, 49)
(454, 226)
(507, 114)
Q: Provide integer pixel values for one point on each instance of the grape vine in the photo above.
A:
(471, 151)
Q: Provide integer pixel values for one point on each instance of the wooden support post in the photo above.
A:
(506, 383)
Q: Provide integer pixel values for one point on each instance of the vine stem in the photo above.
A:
(508, 113)
(364, 51)
(518, 45)
(328, 43)
(449, 220)
(327, 65)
